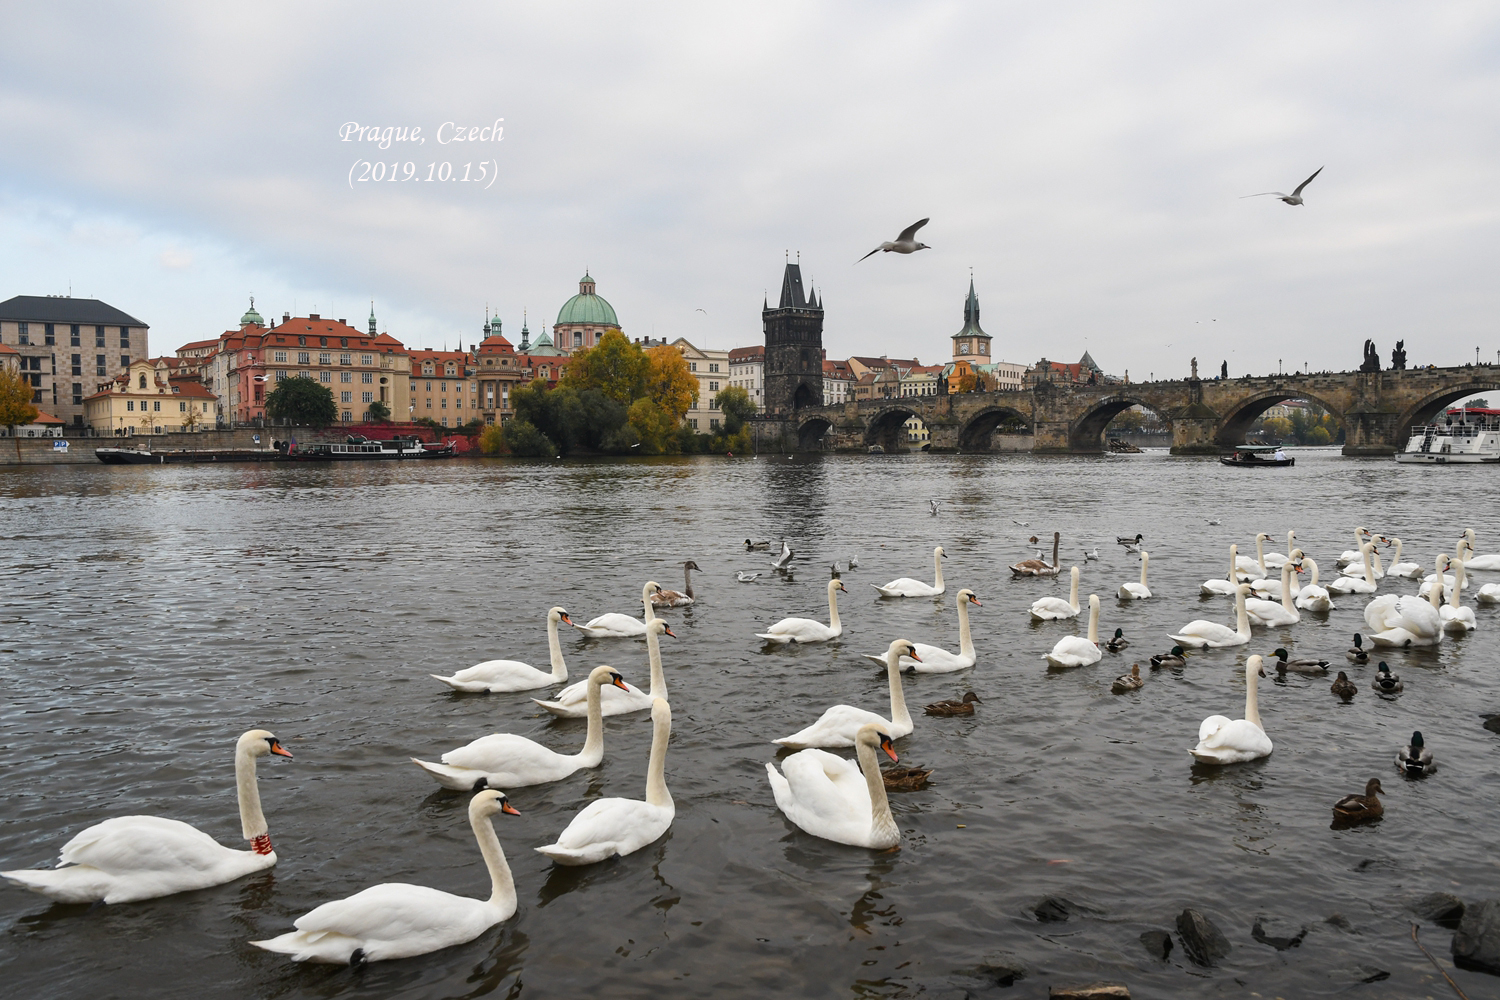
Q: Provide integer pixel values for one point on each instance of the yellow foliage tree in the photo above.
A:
(15, 403)
(654, 426)
(669, 384)
(492, 439)
(614, 366)
(962, 379)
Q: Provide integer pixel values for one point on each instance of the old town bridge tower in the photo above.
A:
(794, 347)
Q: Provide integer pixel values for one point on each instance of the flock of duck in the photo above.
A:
(143, 857)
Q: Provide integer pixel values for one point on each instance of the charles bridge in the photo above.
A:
(1206, 416)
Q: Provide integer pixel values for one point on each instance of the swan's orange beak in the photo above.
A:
(509, 809)
(565, 619)
(842, 587)
(667, 630)
(889, 748)
(912, 655)
(975, 601)
(618, 682)
(279, 750)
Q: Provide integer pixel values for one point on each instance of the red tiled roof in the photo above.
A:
(6, 349)
(47, 418)
(887, 362)
(199, 344)
(740, 354)
(191, 387)
(495, 344)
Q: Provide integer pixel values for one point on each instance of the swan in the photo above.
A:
(496, 676)
(1247, 569)
(1361, 535)
(1450, 580)
(1407, 621)
(1362, 584)
(1488, 561)
(936, 659)
(1200, 633)
(830, 797)
(618, 626)
(1132, 591)
(1264, 612)
(837, 726)
(1313, 597)
(607, 827)
(1039, 566)
(1072, 651)
(1225, 741)
(507, 759)
(1456, 617)
(1226, 585)
(1407, 570)
(572, 702)
(907, 587)
(673, 598)
(807, 630)
(1374, 572)
(1272, 590)
(1488, 594)
(131, 858)
(1053, 608)
(1274, 560)
(397, 920)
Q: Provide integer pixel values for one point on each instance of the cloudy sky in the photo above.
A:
(1085, 160)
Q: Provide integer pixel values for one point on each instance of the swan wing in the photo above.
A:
(572, 702)
(824, 795)
(1216, 587)
(134, 844)
(1135, 591)
(907, 587)
(1071, 651)
(799, 630)
(1204, 631)
(497, 676)
(836, 728)
(607, 827)
(614, 624)
(935, 660)
(1048, 608)
(511, 761)
(391, 920)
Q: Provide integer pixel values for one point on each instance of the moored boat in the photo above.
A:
(1258, 456)
(1460, 437)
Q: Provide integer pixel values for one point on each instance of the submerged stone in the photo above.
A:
(1091, 991)
(1442, 908)
(1158, 943)
(1204, 943)
(1055, 909)
(1000, 967)
(1476, 943)
(1277, 937)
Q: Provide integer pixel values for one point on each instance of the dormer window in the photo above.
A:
(143, 380)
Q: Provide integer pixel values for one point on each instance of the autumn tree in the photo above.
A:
(615, 367)
(300, 400)
(962, 380)
(734, 402)
(654, 427)
(15, 403)
(669, 383)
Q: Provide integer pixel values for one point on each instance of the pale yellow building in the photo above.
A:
(145, 399)
(711, 369)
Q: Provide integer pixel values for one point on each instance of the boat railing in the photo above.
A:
(1466, 428)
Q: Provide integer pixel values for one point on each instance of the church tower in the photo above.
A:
(794, 347)
(972, 344)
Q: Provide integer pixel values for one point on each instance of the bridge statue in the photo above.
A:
(1224, 370)
(1195, 369)
(1398, 357)
(1372, 358)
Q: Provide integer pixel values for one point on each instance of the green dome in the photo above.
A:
(251, 316)
(586, 307)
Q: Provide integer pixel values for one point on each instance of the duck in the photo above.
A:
(936, 659)
(836, 799)
(1358, 653)
(1130, 541)
(572, 702)
(618, 626)
(760, 545)
(608, 827)
(1055, 608)
(806, 629)
(397, 920)
(1305, 665)
(1133, 591)
(907, 587)
(1117, 642)
(1343, 686)
(1414, 759)
(1360, 808)
(1312, 597)
(1274, 560)
(1362, 584)
(1071, 651)
(1386, 682)
(1457, 618)
(1199, 633)
(1132, 681)
(1224, 586)
(1232, 741)
(1171, 658)
(505, 759)
(131, 858)
(1405, 570)
(676, 599)
(1279, 612)
(498, 676)
(838, 725)
(1039, 566)
(1407, 621)
(955, 707)
(1247, 569)
(905, 779)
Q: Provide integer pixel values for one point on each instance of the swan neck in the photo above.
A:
(965, 640)
(554, 650)
(653, 653)
(833, 606)
(687, 581)
(882, 823)
(1260, 553)
(1094, 622)
(502, 886)
(1073, 592)
(1055, 540)
(1145, 561)
(646, 601)
(1242, 619)
(937, 571)
(593, 744)
(1454, 600)
(899, 715)
(252, 820)
(1252, 701)
(1286, 584)
(1313, 563)
(656, 768)
(1435, 595)
(1234, 565)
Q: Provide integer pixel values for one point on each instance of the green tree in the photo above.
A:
(1128, 421)
(615, 367)
(302, 401)
(655, 428)
(1478, 403)
(379, 412)
(734, 402)
(523, 438)
(1319, 435)
(669, 383)
(492, 439)
(15, 403)
(1280, 427)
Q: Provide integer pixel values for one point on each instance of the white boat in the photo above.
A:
(1460, 437)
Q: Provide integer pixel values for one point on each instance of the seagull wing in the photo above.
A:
(1305, 183)
(870, 254)
(910, 232)
(1263, 194)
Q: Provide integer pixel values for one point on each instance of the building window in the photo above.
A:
(78, 364)
(694, 423)
(155, 405)
(98, 336)
(77, 393)
(325, 359)
(182, 407)
(348, 417)
(346, 359)
(279, 357)
(99, 365)
(346, 376)
(368, 378)
(73, 335)
(124, 336)
(367, 397)
(577, 339)
(366, 359)
(692, 366)
(22, 334)
(713, 367)
(280, 376)
(325, 376)
(130, 405)
(442, 386)
(346, 396)
(713, 425)
(713, 387)
(301, 341)
(124, 361)
(47, 335)
(323, 342)
(304, 358)
(445, 421)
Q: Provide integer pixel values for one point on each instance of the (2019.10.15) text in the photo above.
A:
(482, 173)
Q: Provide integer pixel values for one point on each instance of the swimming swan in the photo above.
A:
(807, 630)
(1362, 584)
(830, 797)
(1053, 608)
(1200, 633)
(907, 587)
(1456, 617)
(1132, 591)
(618, 626)
(1281, 612)
(572, 702)
(497, 676)
(838, 726)
(1226, 741)
(936, 659)
(1224, 586)
(1407, 621)
(1313, 597)
(1071, 651)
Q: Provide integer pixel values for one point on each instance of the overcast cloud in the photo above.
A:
(1085, 159)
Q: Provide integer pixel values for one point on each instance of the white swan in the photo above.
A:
(1374, 572)
(1247, 569)
(1277, 613)
(830, 797)
(1449, 579)
(1230, 741)
(1275, 560)
(515, 761)
(936, 659)
(1407, 621)
(1131, 591)
(1225, 586)
(397, 920)
(907, 587)
(1362, 584)
(1361, 535)
(497, 676)
(1053, 608)
(837, 726)
(607, 827)
(1071, 651)
(130, 858)
(806, 629)
(572, 702)
(1313, 597)
(1406, 570)
(1456, 617)
(1488, 561)
(1200, 633)
(1488, 594)
(618, 626)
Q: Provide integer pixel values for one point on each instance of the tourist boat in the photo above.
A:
(359, 449)
(1462, 437)
(1257, 456)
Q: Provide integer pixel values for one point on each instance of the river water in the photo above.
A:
(152, 614)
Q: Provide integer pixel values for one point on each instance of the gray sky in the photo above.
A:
(1085, 159)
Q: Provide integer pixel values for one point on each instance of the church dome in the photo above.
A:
(587, 308)
(252, 317)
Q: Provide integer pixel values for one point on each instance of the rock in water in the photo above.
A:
(1476, 943)
(1158, 943)
(1492, 723)
(1001, 967)
(1053, 910)
(1203, 942)
(1442, 908)
(1090, 991)
(1281, 942)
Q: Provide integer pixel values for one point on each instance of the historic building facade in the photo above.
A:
(793, 371)
(583, 319)
(67, 346)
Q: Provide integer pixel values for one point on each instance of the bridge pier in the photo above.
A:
(1372, 433)
(1194, 430)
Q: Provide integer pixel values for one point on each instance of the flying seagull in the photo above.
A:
(1295, 198)
(906, 242)
(934, 506)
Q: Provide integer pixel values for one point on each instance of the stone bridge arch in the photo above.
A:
(884, 426)
(810, 433)
(975, 433)
(1087, 432)
(1234, 424)
(1425, 410)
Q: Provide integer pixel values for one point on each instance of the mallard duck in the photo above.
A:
(1171, 659)
(1132, 681)
(1344, 687)
(964, 707)
(905, 779)
(1357, 653)
(1117, 643)
(1130, 541)
(1385, 682)
(1415, 759)
(1302, 666)
(754, 546)
(1358, 808)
